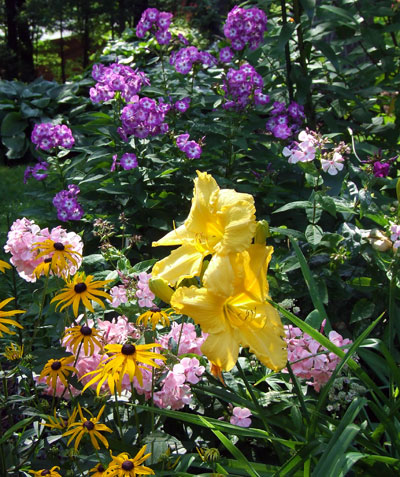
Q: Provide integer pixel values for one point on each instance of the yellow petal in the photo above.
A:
(222, 349)
(184, 262)
(175, 237)
(219, 276)
(204, 307)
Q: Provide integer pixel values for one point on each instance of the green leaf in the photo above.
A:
(28, 112)
(314, 234)
(310, 282)
(362, 310)
(398, 190)
(299, 204)
(9, 432)
(13, 124)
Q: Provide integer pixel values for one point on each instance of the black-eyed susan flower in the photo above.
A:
(124, 360)
(58, 422)
(89, 426)
(4, 265)
(62, 255)
(123, 466)
(84, 335)
(6, 321)
(43, 268)
(81, 288)
(46, 472)
(58, 368)
(154, 316)
(13, 352)
(98, 470)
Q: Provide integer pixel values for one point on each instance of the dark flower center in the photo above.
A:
(45, 472)
(128, 349)
(59, 246)
(100, 468)
(89, 425)
(80, 287)
(155, 309)
(55, 367)
(47, 260)
(86, 331)
(127, 465)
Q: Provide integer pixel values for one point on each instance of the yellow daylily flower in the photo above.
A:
(231, 307)
(220, 221)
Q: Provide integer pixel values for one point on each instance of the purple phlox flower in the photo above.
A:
(192, 150)
(225, 55)
(39, 171)
(159, 22)
(67, 205)
(114, 163)
(240, 87)
(144, 117)
(395, 235)
(181, 140)
(182, 105)
(381, 169)
(282, 131)
(128, 161)
(182, 39)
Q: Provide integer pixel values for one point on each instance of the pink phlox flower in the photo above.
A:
(118, 330)
(118, 294)
(192, 369)
(143, 293)
(241, 417)
(189, 341)
(334, 165)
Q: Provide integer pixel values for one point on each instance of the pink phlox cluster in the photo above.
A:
(184, 59)
(395, 236)
(116, 77)
(189, 341)
(191, 149)
(309, 359)
(47, 136)
(24, 233)
(60, 389)
(159, 22)
(242, 87)
(118, 294)
(176, 392)
(143, 293)
(240, 417)
(67, 205)
(144, 117)
(303, 151)
(245, 26)
(284, 122)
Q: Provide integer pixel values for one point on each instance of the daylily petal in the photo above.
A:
(204, 307)
(175, 237)
(222, 349)
(184, 262)
(219, 276)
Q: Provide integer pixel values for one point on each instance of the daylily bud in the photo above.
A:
(262, 232)
(161, 289)
(379, 241)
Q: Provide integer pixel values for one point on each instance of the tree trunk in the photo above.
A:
(85, 35)
(121, 16)
(62, 52)
(25, 46)
(12, 40)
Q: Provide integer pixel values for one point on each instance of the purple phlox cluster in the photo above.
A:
(113, 78)
(21, 240)
(395, 236)
(46, 136)
(240, 417)
(143, 293)
(67, 205)
(191, 149)
(128, 161)
(242, 87)
(144, 117)
(309, 359)
(38, 171)
(182, 105)
(225, 55)
(284, 122)
(245, 26)
(185, 58)
(159, 22)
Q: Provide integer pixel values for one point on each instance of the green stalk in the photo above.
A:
(116, 408)
(38, 322)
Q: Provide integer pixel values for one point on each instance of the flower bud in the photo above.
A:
(262, 232)
(379, 241)
(161, 289)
